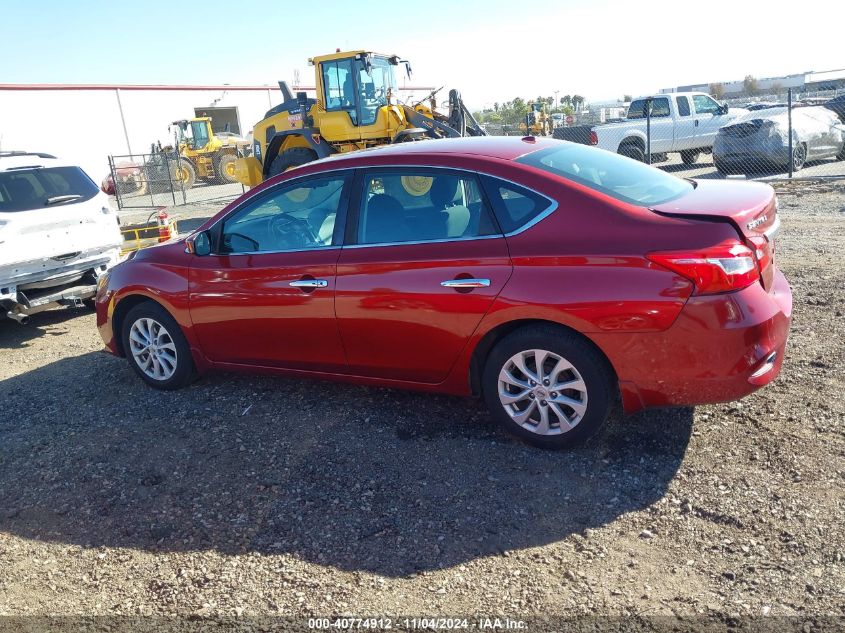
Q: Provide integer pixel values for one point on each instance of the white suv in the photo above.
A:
(58, 234)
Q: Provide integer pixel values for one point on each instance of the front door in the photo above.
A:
(425, 264)
(709, 117)
(266, 295)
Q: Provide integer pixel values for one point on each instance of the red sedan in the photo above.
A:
(547, 277)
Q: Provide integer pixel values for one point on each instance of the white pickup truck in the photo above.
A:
(684, 122)
(58, 235)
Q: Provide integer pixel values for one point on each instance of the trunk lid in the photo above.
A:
(750, 206)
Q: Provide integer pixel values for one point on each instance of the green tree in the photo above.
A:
(717, 90)
(566, 100)
(749, 85)
(577, 102)
(627, 98)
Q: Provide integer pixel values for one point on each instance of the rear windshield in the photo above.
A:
(26, 189)
(616, 176)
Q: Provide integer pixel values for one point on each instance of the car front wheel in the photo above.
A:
(548, 386)
(156, 348)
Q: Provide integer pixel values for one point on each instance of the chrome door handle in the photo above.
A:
(465, 283)
(309, 283)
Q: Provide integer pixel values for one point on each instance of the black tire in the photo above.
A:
(184, 365)
(291, 158)
(589, 363)
(799, 156)
(690, 156)
(91, 304)
(630, 150)
(189, 173)
(224, 168)
(723, 169)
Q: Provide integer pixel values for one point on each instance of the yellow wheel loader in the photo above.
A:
(537, 120)
(205, 155)
(356, 107)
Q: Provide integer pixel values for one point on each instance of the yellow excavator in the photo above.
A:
(356, 107)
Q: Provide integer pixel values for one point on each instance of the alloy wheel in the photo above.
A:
(542, 392)
(153, 348)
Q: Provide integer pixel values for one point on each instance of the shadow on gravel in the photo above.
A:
(14, 335)
(343, 476)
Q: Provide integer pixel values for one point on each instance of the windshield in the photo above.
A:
(199, 134)
(26, 189)
(374, 86)
(619, 177)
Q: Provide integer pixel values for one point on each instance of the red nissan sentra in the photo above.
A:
(545, 276)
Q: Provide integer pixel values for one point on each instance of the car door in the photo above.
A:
(423, 261)
(265, 295)
(685, 129)
(709, 117)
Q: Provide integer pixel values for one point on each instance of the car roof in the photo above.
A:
(501, 147)
(29, 160)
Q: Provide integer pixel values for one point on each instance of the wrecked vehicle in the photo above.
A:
(760, 140)
(58, 235)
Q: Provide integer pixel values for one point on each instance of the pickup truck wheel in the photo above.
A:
(690, 156)
(632, 151)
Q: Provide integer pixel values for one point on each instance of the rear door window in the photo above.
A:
(422, 205)
(659, 108)
(515, 207)
(683, 106)
(26, 189)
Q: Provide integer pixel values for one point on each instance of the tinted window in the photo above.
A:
(21, 190)
(622, 178)
(293, 217)
(705, 105)
(421, 205)
(683, 106)
(515, 207)
(659, 108)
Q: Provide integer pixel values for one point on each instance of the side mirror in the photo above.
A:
(199, 244)
(725, 108)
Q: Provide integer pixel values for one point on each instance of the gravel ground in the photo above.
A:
(252, 496)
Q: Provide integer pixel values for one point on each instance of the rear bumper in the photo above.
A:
(721, 348)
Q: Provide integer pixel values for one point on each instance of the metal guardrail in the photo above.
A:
(138, 237)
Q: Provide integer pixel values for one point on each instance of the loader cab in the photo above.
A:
(356, 85)
(195, 134)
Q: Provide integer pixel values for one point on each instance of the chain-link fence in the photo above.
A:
(163, 179)
(694, 135)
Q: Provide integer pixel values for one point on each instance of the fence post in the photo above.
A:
(150, 184)
(113, 172)
(648, 130)
(789, 118)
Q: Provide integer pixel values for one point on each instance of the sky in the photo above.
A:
(491, 51)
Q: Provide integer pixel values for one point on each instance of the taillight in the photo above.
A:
(763, 250)
(594, 138)
(721, 268)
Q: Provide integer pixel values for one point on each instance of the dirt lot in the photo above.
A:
(244, 496)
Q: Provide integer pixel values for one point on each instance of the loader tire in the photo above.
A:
(289, 159)
(182, 174)
(226, 169)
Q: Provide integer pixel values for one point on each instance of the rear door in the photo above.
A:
(685, 128)
(423, 262)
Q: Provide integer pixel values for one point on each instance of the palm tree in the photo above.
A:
(566, 100)
(577, 102)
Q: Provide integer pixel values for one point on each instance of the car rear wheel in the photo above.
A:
(690, 156)
(799, 156)
(156, 348)
(549, 387)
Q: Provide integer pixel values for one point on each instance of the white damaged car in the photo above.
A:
(58, 234)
